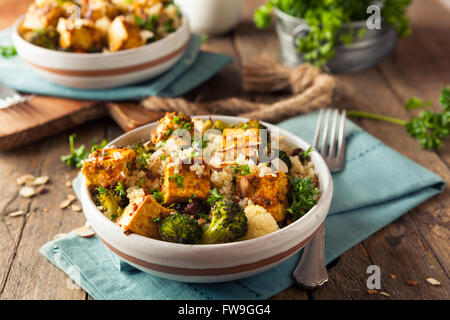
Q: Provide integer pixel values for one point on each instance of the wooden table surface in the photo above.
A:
(414, 247)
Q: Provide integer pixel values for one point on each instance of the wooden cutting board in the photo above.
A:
(44, 116)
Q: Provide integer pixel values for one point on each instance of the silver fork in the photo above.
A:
(311, 271)
(10, 97)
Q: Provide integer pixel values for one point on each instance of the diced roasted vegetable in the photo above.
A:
(181, 186)
(46, 38)
(168, 124)
(112, 202)
(107, 167)
(124, 34)
(79, 34)
(271, 194)
(42, 15)
(141, 217)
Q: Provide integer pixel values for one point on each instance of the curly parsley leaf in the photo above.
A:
(214, 196)
(302, 194)
(7, 51)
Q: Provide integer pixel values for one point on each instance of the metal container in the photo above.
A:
(364, 53)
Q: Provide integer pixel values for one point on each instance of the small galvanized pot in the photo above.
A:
(364, 53)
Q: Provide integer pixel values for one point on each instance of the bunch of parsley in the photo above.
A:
(325, 19)
(429, 128)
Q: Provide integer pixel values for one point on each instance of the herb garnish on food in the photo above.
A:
(302, 193)
(429, 128)
(79, 154)
(214, 196)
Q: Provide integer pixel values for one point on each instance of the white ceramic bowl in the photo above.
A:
(216, 262)
(104, 70)
(211, 16)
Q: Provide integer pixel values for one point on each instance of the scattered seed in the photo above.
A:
(76, 207)
(59, 235)
(84, 232)
(68, 183)
(412, 283)
(372, 292)
(385, 294)
(25, 179)
(71, 197)
(16, 213)
(433, 282)
(27, 192)
(41, 180)
(201, 221)
(65, 203)
(393, 276)
(87, 224)
(41, 189)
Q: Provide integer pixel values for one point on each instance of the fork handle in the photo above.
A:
(311, 271)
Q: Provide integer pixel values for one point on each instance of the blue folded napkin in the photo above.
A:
(377, 186)
(194, 68)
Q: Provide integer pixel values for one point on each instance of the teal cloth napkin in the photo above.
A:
(377, 186)
(194, 68)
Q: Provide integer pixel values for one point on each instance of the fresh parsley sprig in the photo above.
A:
(77, 155)
(302, 194)
(429, 128)
(7, 51)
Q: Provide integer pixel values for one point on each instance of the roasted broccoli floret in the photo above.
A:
(112, 202)
(228, 223)
(48, 38)
(180, 228)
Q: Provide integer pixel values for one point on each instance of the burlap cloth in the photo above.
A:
(311, 90)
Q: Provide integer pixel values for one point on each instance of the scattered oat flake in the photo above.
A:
(16, 213)
(393, 276)
(433, 282)
(412, 283)
(385, 294)
(68, 183)
(27, 192)
(76, 207)
(65, 203)
(84, 232)
(27, 178)
(41, 180)
(371, 291)
(59, 235)
(71, 197)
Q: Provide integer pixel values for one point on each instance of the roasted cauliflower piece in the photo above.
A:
(107, 167)
(124, 34)
(79, 34)
(182, 184)
(260, 222)
(168, 124)
(271, 194)
(140, 215)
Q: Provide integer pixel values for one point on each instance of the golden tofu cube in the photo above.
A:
(185, 184)
(106, 167)
(98, 9)
(240, 141)
(139, 215)
(168, 124)
(79, 34)
(124, 35)
(271, 194)
(42, 16)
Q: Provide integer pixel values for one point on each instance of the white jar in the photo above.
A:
(211, 16)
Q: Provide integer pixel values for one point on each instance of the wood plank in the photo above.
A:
(31, 276)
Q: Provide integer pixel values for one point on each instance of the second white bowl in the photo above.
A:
(104, 70)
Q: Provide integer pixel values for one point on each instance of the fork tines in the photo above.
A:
(330, 136)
